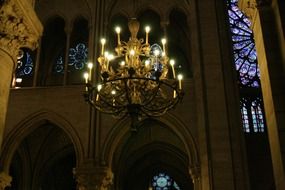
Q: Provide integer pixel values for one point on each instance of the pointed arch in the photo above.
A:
(28, 125)
(121, 132)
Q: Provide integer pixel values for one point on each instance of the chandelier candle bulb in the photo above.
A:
(90, 66)
(180, 81)
(118, 30)
(86, 76)
(147, 29)
(172, 62)
(103, 41)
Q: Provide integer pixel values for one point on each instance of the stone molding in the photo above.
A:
(5, 180)
(19, 26)
(250, 7)
(93, 178)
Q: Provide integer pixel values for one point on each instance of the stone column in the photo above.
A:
(93, 178)
(19, 27)
(5, 180)
(195, 173)
(271, 59)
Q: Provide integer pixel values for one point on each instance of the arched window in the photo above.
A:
(179, 42)
(51, 64)
(163, 181)
(245, 59)
(78, 51)
(25, 68)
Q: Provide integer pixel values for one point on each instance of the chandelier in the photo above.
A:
(135, 81)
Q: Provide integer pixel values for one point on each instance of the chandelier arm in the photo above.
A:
(153, 96)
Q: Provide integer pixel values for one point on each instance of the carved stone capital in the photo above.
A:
(195, 173)
(5, 180)
(19, 26)
(249, 8)
(93, 178)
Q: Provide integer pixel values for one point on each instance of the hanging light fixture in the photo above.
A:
(135, 81)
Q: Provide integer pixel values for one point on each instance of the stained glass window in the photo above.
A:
(58, 67)
(162, 181)
(252, 114)
(244, 48)
(78, 56)
(25, 64)
(245, 59)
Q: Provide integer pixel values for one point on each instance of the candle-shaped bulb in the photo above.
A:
(147, 29)
(118, 30)
(147, 62)
(172, 62)
(156, 52)
(122, 63)
(103, 41)
(180, 77)
(99, 87)
(110, 57)
(86, 76)
(113, 92)
(132, 52)
(90, 66)
(19, 80)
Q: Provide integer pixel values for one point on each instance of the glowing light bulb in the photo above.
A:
(180, 77)
(156, 52)
(147, 29)
(19, 80)
(122, 63)
(113, 92)
(172, 62)
(90, 65)
(132, 52)
(118, 29)
(103, 41)
(99, 87)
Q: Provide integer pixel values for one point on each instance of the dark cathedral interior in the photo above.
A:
(142, 95)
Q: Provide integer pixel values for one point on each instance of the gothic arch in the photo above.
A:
(28, 125)
(120, 132)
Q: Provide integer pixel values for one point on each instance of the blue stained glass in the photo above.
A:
(163, 181)
(25, 64)
(58, 67)
(77, 56)
(243, 45)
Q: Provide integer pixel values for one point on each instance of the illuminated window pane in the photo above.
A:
(162, 181)
(244, 47)
(78, 56)
(25, 64)
(58, 66)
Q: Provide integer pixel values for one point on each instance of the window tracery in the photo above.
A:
(25, 64)
(162, 181)
(245, 59)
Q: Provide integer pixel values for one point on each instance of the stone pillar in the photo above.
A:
(271, 59)
(5, 180)
(93, 178)
(195, 173)
(19, 27)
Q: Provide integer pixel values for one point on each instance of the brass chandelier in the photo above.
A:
(135, 81)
